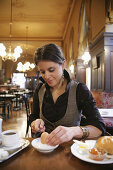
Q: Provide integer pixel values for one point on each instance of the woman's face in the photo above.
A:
(51, 72)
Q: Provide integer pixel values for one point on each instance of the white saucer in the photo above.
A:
(36, 143)
(20, 144)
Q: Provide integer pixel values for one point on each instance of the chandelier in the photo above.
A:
(17, 51)
(25, 67)
(10, 56)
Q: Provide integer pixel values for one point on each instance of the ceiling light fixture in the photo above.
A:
(17, 51)
(27, 66)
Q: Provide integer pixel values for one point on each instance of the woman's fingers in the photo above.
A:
(57, 136)
(60, 135)
(38, 125)
(42, 129)
(41, 124)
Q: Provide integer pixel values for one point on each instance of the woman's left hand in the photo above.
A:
(60, 135)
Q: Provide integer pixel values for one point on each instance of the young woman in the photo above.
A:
(59, 102)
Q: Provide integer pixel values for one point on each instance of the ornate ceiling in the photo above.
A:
(34, 23)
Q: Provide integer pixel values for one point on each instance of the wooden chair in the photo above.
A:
(28, 112)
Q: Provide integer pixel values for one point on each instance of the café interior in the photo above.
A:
(84, 31)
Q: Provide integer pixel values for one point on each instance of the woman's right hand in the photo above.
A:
(37, 126)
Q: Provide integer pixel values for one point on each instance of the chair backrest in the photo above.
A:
(27, 106)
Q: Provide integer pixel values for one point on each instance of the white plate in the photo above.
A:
(20, 144)
(75, 149)
(36, 143)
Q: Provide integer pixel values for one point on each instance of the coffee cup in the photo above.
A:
(10, 138)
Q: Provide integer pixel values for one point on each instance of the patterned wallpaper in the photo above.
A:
(103, 99)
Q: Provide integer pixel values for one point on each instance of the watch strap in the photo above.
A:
(85, 131)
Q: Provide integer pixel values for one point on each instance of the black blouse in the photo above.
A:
(55, 111)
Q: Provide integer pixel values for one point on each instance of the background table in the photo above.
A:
(107, 115)
(59, 159)
(5, 101)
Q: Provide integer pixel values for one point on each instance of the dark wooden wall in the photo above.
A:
(102, 63)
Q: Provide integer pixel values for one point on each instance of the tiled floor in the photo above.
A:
(18, 121)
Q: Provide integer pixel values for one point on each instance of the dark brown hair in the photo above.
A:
(49, 52)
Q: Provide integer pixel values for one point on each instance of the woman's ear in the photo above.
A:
(64, 64)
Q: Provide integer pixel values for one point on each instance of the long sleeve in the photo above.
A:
(87, 104)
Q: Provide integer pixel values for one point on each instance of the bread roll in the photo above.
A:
(43, 137)
(105, 143)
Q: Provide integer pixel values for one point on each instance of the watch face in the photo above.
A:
(85, 132)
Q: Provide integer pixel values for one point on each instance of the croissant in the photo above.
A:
(105, 144)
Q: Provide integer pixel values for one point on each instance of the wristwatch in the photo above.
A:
(85, 131)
